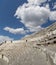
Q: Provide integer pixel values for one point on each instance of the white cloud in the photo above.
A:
(5, 38)
(32, 16)
(15, 31)
(47, 6)
(36, 2)
(54, 5)
(35, 29)
(53, 15)
(26, 36)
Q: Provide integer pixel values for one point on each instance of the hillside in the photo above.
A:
(39, 49)
(43, 32)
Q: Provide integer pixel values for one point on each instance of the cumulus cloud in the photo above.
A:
(53, 15)
(35, 29)
(15, 31)
(47, 6)
(54, 7)
(36, 2)
(32, 15)
(5, 38)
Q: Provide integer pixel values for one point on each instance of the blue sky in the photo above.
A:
(7, 11)
(8, 8)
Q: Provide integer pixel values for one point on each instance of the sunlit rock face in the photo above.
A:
(22, 54)
(34, 51)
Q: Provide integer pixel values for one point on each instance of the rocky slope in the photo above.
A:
(34, 51)
(43, 32)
